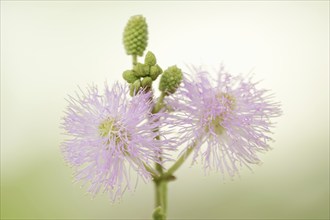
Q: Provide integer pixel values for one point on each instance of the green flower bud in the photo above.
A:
(155, 71)
(147, 82)
(134, 87)
(170, 80)
(150, 59)
(146, 69)
(141, 70)
(129, 76)
(136, 35)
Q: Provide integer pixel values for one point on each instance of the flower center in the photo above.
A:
(228, 103)
(216, 125)
(107, 128)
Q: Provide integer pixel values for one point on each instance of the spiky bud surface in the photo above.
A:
(136, 35)
(170, 80)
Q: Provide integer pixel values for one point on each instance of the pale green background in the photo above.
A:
(48, 48)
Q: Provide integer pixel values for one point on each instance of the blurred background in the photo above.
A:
(48, 48)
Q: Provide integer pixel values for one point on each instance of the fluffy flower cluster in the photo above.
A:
(226, 120)
(114, 138)
(111, 138)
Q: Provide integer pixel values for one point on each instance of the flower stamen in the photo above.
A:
(107, 128)
(229, 104)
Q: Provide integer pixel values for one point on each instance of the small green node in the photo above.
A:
(146, 70)
(158, 214)
(134, 87)
(147, 82)
(129, 76)
(137, 84)
(141, 70)
(150, 59)
(155, 71)
(131, 90)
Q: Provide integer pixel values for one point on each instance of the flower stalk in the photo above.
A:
(180, 161)
(160, 183)
(134, 60)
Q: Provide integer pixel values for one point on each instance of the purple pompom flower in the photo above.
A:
(227, 120)
(111, 138)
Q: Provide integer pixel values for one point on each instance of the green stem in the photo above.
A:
(153, 172)
(160, 183)
(162, 180)
(157, 107)
(164, 191)
(158, 199)
(161, 199)
(180, 161)
(134, 60)
(160, 103)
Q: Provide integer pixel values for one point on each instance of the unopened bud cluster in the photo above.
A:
(143, 74)
(136, 35)
(170, 80)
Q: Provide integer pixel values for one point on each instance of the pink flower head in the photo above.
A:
(111, 137)
(228, 119)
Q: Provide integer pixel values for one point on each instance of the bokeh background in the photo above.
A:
(48, 48)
